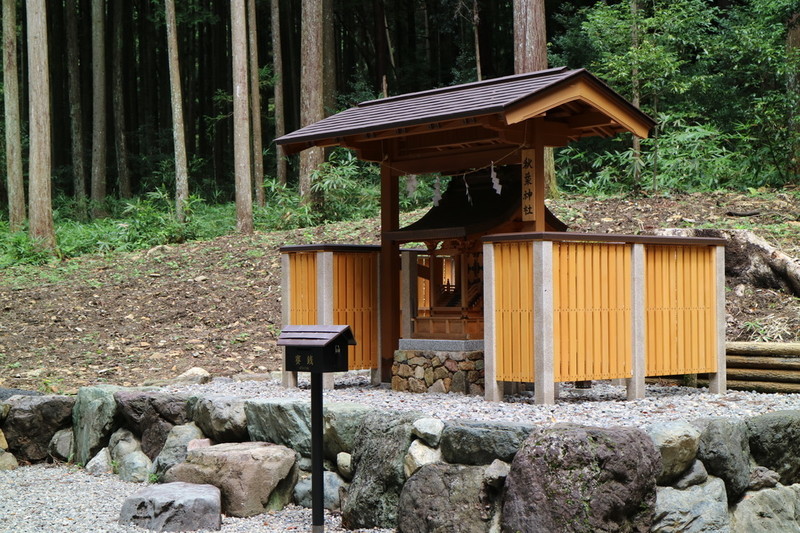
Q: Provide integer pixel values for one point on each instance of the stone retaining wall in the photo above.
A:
(419, 473)
(438, 371)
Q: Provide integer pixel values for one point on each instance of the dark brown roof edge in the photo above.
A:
(604, 237)
(352, 248)
(461, 86)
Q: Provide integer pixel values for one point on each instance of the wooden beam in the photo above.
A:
(456, 160)
(587, 92)
(390, 270)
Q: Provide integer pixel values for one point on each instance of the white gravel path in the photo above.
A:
(57, 499)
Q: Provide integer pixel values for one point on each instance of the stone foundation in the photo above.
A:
(438, 371)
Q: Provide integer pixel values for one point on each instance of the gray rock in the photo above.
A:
(31, 423)
(221, 417)
(331, 485)
(726, 454)
(176, 447)
(496, 473)
(130, 462)
(8, 461)
(570, 478)
(763, 478)
(173, 507)
(450, 498)
(420, 454)
(340, 424)
(62, 447)
(775, 443)
(429, 430)
(246, 473)
(381, 445)
(100, 464)
(193, 376)
(774, 510)
(696, 475)
(94, 419)
(151, 415)
(480, 443)
(282, 421)
(3, 441)
(344, 465)
(698, 509)
(4, 409)
(677, 442)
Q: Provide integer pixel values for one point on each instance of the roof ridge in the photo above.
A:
(451, 88)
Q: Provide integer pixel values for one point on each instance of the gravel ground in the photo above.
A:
(65, 499)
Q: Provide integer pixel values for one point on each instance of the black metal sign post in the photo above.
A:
(316, 349)
(317, 479)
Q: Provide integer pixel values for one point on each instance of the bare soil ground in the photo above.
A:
(130, 319)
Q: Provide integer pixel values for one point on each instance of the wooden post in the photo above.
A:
(543, 352)
(492, 388)
(533, 178)
(288, 379)
(718, 381)
(408, 292)
(325, 300)
(390, 270)
(635, 384)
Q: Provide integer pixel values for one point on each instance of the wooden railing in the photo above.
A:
(567, 306)
(334, 285)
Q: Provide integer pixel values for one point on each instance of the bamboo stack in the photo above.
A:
(763, 366)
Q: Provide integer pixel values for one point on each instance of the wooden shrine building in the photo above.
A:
(498, 272)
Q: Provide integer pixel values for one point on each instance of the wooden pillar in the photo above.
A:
(718, 382)
(635, 384)
(533, 178)
(543, 332)
(408, 292)
(390, 271)
(493, 391)
(288, 379)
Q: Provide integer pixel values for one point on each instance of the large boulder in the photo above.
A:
(281, 421)
(698, 509)
(31, 423)
(246, 473)
(725, 452)
(775, 443)
(100, 464)
(452, 498)
(151, 416)
(380, 447)
(570, 478)
(131, 464)
(94, 419)
(420, 454)
(429, 430)
(176, 447)
(774, 510)
(173, 507)
(222, 418)
(480, 443)
(677, 442)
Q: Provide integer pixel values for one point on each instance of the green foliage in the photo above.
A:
(349, 188)
(19, 249)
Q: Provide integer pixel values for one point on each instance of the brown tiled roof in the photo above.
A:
(459, 101)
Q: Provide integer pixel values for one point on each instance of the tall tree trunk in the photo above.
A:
(312, 108)
(636, 96)
(241, 118)
(476, 38)
(277, 66)
(530, 54)
(793, 85)
(16, 187)
(255, 103)
(75, 106)
(178, 137)
(118, 101)
(39, 175)
(98, 108)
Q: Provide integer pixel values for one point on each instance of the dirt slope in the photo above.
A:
(129, 319)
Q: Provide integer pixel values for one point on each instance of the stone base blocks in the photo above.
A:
(174, 507)
(438, 371)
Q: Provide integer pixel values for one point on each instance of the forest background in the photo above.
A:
(148, 137)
